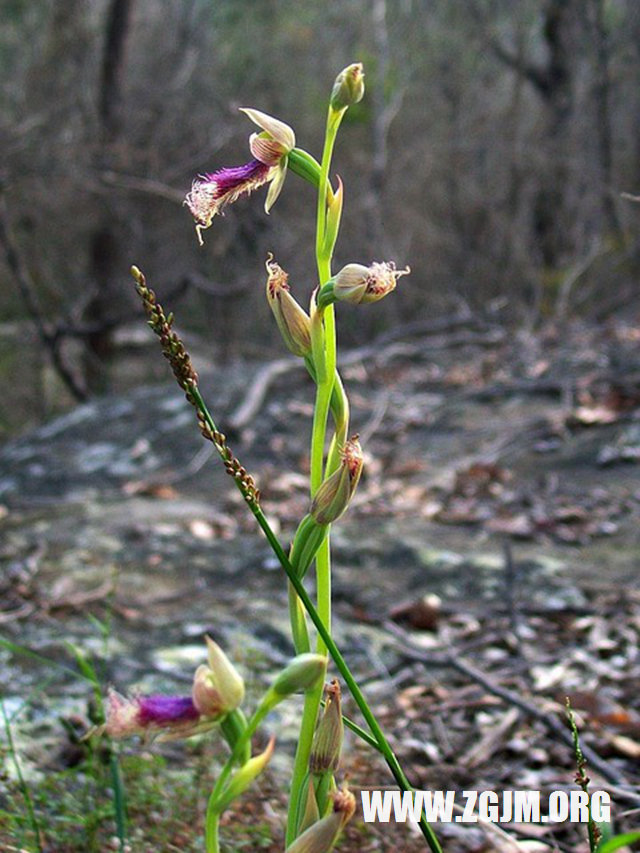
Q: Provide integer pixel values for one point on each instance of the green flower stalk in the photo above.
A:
(244, 777)
(317, 812)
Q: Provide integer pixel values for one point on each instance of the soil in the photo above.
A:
(493, 545)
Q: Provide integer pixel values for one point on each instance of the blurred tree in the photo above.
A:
(488, 153)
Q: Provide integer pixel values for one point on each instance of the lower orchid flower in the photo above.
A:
(217, 690)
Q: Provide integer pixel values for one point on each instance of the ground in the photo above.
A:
(487, 570)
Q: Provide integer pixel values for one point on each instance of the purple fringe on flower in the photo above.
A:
(211, 192)
(163, 711)
(234, 178)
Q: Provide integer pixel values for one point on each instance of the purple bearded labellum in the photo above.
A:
(155, 715)
(210, 193)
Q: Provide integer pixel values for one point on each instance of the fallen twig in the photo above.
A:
(552, 723)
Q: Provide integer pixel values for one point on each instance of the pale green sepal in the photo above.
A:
(275, 187)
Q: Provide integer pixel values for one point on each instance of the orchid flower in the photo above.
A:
(217, 690)
(211, 192)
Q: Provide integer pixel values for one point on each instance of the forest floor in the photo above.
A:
(487, 570)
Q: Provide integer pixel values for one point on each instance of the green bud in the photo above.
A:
(293, 321)
(327, 740)
(303, 673)
(334, 214)
(334, 495)
(349, 87)
(309, 537)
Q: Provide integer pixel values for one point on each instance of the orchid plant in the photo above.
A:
(318, 808)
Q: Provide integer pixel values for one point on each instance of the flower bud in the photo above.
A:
(358, 284)
(322, 836)
(293, 321)
(334, 495)
(327, 740)
(348, 88)
(303, 673)
(217, 688)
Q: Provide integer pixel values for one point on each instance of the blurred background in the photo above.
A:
(492, 153)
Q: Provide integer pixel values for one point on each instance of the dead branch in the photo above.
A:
(257, 391)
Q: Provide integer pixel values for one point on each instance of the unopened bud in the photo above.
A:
(349, 87)
(334, 495)
(327, 740)
(217, 688)
(303, 673)
(322, 836)
(293, 321)
(359, 285)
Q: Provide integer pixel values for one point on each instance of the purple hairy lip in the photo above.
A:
(234, 177)
(161, 710)
(212, 191)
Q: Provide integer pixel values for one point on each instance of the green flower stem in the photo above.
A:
(323, 341)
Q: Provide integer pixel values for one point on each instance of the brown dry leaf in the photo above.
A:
(423, 614)
(479, 479)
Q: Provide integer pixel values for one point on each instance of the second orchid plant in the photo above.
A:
(318, 809)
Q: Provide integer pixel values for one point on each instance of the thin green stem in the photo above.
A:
(324, 362)
(24, 789)
(301, 761)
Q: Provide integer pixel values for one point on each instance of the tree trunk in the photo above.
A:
(106, 267)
